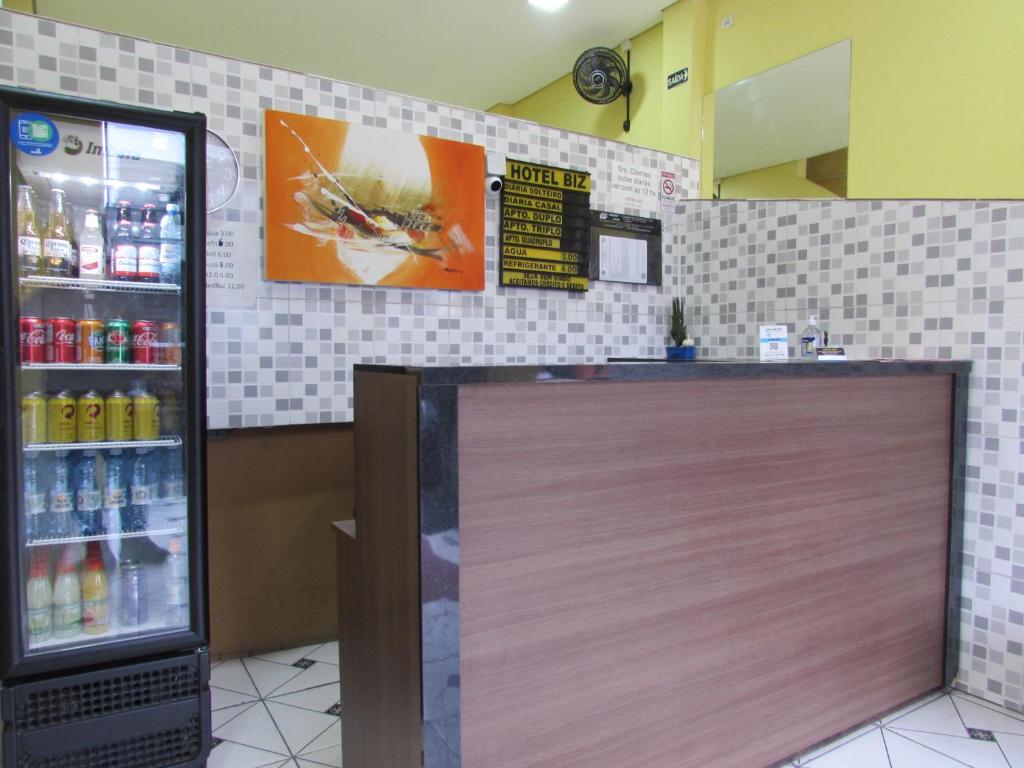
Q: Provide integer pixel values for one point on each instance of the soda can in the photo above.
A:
(91, 339)
(118, 342)
(134, 606)
(170, 344)
(61, 418)
(119, 417)
(92, 423)
(144, 342)
(33, 418)
(33, 339)
(62, 346)
(145, 416)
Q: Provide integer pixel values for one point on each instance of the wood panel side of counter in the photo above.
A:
(380, 592)
(697, 574)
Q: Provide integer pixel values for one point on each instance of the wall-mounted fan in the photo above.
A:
(601, 76)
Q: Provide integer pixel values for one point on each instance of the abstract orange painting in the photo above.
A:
(350, 203)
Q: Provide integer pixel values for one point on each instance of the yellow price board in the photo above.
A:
(534, 280)
(566, 257)
(544, 176)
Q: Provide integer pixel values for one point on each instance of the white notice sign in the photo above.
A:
(633, 186)
(623, 259)
(774, 343)
(232, 266)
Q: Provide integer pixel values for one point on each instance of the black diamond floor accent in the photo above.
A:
(335, 710)
(214, 741)
(304, 663)
(980, 734)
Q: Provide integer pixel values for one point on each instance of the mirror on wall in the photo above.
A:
(784, 133)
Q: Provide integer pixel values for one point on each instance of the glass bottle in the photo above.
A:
(67, 596)
(124, 256)
(90, 248)
(39, 597)
(149, 245)
(57, 244)
(29, 244)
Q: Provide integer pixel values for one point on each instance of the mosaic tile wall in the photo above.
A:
(916, 279)
(289, 360)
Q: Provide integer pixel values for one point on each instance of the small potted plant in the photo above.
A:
(683, 348)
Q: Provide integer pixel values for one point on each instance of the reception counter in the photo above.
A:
(668, 565)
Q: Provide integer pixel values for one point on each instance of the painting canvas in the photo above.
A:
(350, 203)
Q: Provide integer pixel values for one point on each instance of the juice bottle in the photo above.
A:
(67, 597)
(39, 597)
(95, 592)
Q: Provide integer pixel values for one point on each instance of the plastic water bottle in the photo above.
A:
(115, 491)
(35, 500)
(88, 497)
(176, 582)
(810, 339)
(172, 482)
(143, 491)
(62, 499)
(170, 245)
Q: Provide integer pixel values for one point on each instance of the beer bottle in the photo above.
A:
(29, 245)
(57, 245)
(124, 256)
(149, 245)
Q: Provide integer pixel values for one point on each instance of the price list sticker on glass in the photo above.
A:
(232, 267)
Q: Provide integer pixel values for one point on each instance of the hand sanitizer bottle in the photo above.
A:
(810, 339)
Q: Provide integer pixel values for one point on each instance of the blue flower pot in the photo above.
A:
(680, 353)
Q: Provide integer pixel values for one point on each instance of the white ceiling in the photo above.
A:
(472, 53)
(796, 110)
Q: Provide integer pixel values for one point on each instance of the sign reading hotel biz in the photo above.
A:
(545, 227)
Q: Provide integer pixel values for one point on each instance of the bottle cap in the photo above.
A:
(812, 319)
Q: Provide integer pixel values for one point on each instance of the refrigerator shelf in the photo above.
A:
(164, 442)
(115, 633)
(113, 286)
(165, 531)
(99, 367)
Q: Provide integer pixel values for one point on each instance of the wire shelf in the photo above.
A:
(103, 445)
(113, 286)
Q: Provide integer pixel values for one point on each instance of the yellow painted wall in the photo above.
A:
(25, 6)
(558, 103)
(935, 108)
(776, 182)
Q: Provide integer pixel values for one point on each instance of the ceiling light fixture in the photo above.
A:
(548, 5)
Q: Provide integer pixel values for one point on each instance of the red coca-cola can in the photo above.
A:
(61, 340)
(33, 340)
(144, 342)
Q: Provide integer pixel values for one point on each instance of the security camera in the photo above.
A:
(493, 185)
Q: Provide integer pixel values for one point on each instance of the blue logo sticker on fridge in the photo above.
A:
(34, 134)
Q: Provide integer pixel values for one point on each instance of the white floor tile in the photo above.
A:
(811, 754)
(231, 676)
(330, 756)
(939, 716)
(254, 728)
(221, 717)
(269, 676)
(318, 699)
(229, 755)
(221, 698)
(980, 716)
(299, 726)
(329, 738)
(913, 707)
(317, 675)
(327, 653)
(976, 753)
(1013, 748)
(904, 753)
(289, 656)
(865, 751)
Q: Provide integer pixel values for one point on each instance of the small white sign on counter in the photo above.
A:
(232, 265)
(774, 343)
(634, 186)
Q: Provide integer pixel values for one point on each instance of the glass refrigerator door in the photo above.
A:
(97, 211)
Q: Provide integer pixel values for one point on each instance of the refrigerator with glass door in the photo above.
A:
(102, 380)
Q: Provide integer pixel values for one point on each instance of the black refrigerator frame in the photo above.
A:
(16, 664)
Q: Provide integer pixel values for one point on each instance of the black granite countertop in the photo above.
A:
(660, 370)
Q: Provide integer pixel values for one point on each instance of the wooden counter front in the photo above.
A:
(698, 573)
